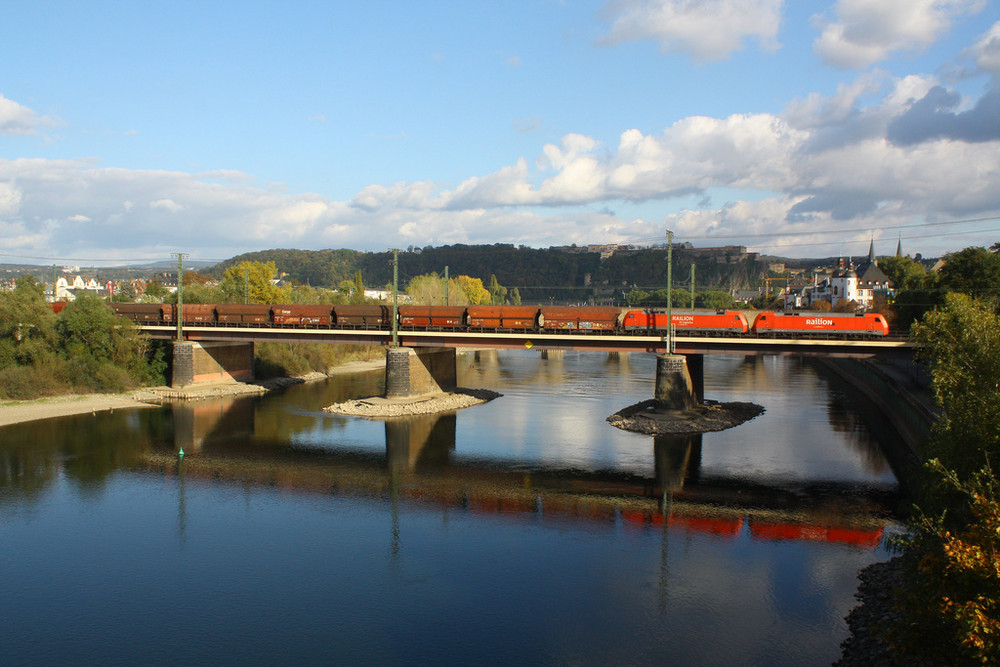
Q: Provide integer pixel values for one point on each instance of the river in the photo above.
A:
(522, 531)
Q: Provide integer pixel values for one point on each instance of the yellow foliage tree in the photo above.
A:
(252, 282)
(474, 290)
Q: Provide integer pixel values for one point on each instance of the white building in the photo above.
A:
(66, 288)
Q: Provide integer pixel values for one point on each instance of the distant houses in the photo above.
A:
(846, 283)
(67, 288)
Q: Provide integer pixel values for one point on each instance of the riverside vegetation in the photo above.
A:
(938, 603)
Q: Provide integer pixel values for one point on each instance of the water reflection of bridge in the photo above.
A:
(420, 465)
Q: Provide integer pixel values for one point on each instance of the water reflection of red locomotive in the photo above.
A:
(771, 531)
(514, 319)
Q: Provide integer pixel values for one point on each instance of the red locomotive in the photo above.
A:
(688, 322)
(819, 324)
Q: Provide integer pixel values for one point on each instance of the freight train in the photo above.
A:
(513, 319)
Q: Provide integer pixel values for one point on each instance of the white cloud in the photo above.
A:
(987, 51)
(866, 32)
(10, 200)
(707, 29)
(166, 205)
(16, 118)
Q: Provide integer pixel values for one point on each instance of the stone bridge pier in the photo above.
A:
(194, 362)
(417, 371)
(680, 380)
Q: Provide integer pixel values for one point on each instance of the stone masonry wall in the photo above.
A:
(413, 372)
(195, 363)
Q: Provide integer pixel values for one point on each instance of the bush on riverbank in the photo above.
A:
(85, 348)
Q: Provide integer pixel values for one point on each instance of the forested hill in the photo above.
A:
(539, 274)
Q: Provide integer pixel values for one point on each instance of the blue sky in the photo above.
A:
(130, 130)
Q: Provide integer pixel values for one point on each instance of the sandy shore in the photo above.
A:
(14, 412)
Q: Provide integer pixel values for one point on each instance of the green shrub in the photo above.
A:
(111, 378)
(24, 382)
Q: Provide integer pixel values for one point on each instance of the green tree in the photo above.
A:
(498, 293)
(715, 299)
(951, 595)
(429, 289)
(359, 285)
(636, 297)
(346, 288)
(515, 297)
(961, 342)
(196, 293)
(974, 270)
(104, 351)
(252, 282)
(903, 272)
(155, 292)
(126, 293)
(27, 325)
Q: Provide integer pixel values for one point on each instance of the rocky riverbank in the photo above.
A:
(876, 610)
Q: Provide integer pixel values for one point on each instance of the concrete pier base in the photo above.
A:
(674, 389)
(195, 363)
(414, 372)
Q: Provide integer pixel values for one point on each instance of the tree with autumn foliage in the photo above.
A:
(252, 282)
(474, 290)
(951, 601)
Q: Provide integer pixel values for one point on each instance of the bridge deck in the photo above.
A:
(598, 341)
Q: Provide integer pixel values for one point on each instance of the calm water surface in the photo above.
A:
(526, 530)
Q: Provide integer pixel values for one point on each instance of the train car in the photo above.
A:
(231, 314)
(723, 322)
(594, 318)
(302, 314)
(362, 316)
(522, 318)
(433, 317)
(145, 313)
(815, 324)
(198, 313)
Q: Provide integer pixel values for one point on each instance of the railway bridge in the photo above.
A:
(423, 360)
